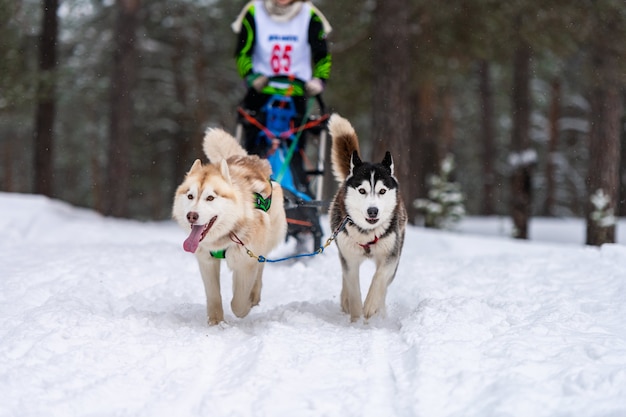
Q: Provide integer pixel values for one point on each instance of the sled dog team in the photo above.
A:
(230, 206)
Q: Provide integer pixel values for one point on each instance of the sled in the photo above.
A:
(295, 145)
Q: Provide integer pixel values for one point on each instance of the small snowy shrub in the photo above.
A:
(444, 206)
(602, 214)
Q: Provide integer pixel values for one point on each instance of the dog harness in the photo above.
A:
(367, 245)
(260, 203)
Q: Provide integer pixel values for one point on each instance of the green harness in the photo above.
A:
(260, 203)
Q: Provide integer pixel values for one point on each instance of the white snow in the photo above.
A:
(106, 317)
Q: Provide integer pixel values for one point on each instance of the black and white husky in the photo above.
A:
(369, 204)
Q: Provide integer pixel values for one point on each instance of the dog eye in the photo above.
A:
(210, 198)
(382, 191)
(362, 191)
(190, 196)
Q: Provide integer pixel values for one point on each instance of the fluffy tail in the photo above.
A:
(218, 145)
(345, 142)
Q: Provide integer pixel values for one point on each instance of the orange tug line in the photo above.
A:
(299, 222)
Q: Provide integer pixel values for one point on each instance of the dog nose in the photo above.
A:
(192, 217)
(372, 212)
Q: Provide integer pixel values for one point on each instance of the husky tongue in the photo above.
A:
(192, 242)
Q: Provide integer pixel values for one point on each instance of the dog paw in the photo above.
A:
(371, 309)
(344, 306)
(354, 309)
(354, 319)
(213, 321)
(215, 314)
(241, 309)
(255, 298)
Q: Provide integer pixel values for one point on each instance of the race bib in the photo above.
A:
(282, 48)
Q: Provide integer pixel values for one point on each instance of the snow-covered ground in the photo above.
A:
(106, 317)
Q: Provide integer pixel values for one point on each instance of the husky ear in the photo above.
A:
(355, 162)
(224, 170)
(388, 162)
(197, 165)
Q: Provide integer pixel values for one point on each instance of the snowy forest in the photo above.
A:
(103, 103)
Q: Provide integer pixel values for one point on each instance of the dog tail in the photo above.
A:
(218, 145)
(345, 142)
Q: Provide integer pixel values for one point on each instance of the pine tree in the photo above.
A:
(444, 207)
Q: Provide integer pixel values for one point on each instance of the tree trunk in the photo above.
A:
(181, 139)
(553, 142)
(488, 154)
(391, 107)
(7, 155)
(44, 119)
(202, 108)
(622, 163)
(426, 153)
(604, 143)
(121, 122)
(522, 158)
(447, 124)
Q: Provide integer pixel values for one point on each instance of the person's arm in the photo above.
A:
(245, 45)
(320, 55)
